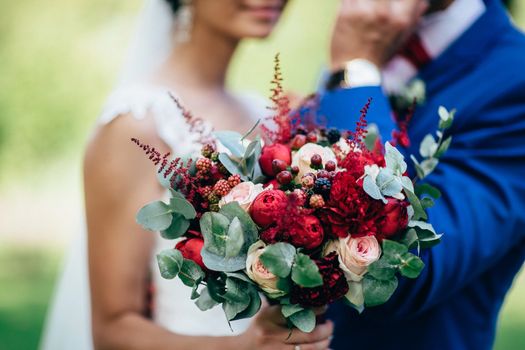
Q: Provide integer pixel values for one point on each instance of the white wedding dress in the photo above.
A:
(68, 325)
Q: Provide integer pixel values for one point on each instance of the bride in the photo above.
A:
(183, 47)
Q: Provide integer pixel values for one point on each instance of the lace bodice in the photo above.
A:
(172, 306)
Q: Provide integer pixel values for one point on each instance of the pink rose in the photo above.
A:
(357, 253)
(258, 273)
(244, 194)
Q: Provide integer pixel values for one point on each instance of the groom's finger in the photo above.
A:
(322, 345)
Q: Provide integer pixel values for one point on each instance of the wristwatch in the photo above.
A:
(356, 73)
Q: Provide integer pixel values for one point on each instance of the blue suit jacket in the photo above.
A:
(454, 304)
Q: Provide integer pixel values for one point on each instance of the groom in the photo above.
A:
(471, 58)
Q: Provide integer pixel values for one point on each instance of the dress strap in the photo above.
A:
(141, 101)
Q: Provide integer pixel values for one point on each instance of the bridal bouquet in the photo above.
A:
(304, 215)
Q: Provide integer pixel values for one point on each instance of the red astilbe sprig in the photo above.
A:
(356, 138)
(400, 137)
(152, 153)
(281, 108)
(175, 170)
(197, 125)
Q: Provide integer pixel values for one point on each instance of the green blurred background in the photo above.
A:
(58, 61)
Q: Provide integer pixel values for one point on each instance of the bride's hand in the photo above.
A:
(268, 331)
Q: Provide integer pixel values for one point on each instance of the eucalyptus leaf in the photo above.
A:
(382, 269)
(249, 228)
(304, 320)
(232, 141)
(170, 262)
(221, 263)
(446, 118)
(371, 188)
(253, 307)
(388, 183)
(305, 272)
(428, 146)
(394, 160)
(377, 292)
(443, 148)
(430, 190)
(214, 228)
(178, 227)
(183, 207)
(411, 266)
(235, 238)
(190, 273)
(372, 134)
(155, 216)
(290, 309)
(205, 301)
(410, 238)
(232, 166)
(419, 212)
(278, 258)
(429, 165)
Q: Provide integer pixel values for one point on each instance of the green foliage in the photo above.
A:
(304, 320)
(170, 263)
(242, 160)
(155, 216)
(305, 272)
(377, 292)
(227, 236)
(278, 258)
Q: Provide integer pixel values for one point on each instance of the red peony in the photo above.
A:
(191, 249)
(306, 232)
(350, 210)
(271, 152)
(334, 285)
(268, 206)
(395, 218)
(355, 162)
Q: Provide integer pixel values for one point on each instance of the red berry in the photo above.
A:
(311, 137)
(323, 174)
(294, 170)
(234, 180)
(203, 164)
(284, 177)
(222, 188)
(316, 160)
(298, 141)
(308, 181)
(278, 166)
(316, 201)
(330, 165)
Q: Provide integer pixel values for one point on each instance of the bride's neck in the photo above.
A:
(203, 61)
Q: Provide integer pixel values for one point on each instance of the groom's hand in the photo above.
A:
(373, 29)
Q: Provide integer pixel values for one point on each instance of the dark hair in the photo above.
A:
(175, 4)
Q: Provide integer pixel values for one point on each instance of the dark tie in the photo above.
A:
(415, 52)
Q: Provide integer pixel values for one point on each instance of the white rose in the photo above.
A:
(355, 255)
(302, 157)
(258, 273)
(244, 194)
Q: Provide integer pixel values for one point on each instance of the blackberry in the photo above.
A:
(322, 186)
(333, 135)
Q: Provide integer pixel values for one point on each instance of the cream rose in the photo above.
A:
(258, 273)
(302, 157)
(355, 255)
(244, 194)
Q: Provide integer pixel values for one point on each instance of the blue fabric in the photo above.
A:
(455, 303)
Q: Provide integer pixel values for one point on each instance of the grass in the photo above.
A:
(28, 274)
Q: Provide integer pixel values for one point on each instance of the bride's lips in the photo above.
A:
(266, 12)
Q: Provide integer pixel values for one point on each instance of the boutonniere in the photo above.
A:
(403, 104)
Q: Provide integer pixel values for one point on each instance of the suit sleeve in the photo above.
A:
(482, 210)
